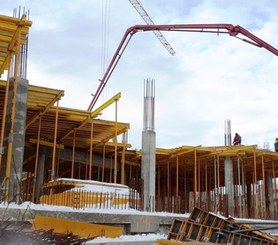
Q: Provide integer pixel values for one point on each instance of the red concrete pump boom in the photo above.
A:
(202, 28)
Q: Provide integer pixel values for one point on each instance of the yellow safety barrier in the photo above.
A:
(80, 229)
(173, 242)
(80, 194)
(82, 199)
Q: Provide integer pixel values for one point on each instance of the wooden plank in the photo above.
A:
(80, 229)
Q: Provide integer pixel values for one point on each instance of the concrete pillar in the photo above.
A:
(148, 148)
(148, 169)
(17, 138)
(40, 173)
(269, 195)
(228, 165)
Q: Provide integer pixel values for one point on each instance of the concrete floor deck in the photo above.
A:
(132, 223)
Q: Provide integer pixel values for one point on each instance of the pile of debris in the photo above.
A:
(19, 233)
(205, 227)
(49, 230)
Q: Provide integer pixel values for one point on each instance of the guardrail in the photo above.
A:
(80, 199)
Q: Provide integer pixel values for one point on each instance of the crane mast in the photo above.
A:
(140, 9)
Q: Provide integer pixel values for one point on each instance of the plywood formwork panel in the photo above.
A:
(11, 30)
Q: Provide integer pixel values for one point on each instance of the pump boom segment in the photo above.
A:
(229, 29)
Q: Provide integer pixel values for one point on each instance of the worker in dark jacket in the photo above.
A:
(237, 139)
(276, 145)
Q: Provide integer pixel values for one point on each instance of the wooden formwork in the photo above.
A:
(74, 228)
(206, 227)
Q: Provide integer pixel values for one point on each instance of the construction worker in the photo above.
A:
(276, 145)
(237, 139)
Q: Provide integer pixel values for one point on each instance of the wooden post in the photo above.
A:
(263, 189)
(111, 167)
(36, 161)
(235, 187)
(244, 203)
(86, 167)
(98, 173)
(130, 172)
(103, 163)
(116, 141)
(218, 182)
(195, 177)
(215, 185)
(73, 153)
(11, 133)
(274, 188)
(210, 188)
(177, 176)
(168, 178)
(206, 186)
(158, 182)
(55, 143)
(123, 166)
(199, 184)
(91, 150)
(58, 163)
(185, 189)
(253, 204)
(255, 187)
(240, 191)
(5, 111)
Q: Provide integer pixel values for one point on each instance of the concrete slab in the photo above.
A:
(132, 223)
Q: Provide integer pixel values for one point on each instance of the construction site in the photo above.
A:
(50, 154)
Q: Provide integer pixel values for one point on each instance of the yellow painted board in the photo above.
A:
(80, 229)
(173, 242)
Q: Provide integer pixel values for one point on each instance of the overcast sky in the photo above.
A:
(210, 79)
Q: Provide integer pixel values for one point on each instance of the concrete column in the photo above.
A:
(40, 173)
(228, 165)
(269, 195)
(148, 148)
(17, 138)
(148, 169)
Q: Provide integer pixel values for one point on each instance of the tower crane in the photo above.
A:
(140, 9)
(229, 29)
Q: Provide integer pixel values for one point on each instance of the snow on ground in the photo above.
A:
(33, 206)
(97, 186)
(93, 186)
(129, 238)
(126, 239)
